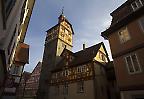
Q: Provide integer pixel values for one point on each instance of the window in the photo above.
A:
(136, 5)
(16, 70)
(141, 22)
(56, 90)
(66, 72)
(124, 35)
(65, 89)
(80, 87)
(102, 56)
(132, 64)
(78, 69)
(17, 80)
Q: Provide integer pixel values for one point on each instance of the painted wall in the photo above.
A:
(136, 35)
(72, 91)
(98, 56)
(100, 82)
(125, 79)
(137, 94)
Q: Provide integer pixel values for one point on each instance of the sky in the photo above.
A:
(88, 17)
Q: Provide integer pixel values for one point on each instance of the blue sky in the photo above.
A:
(88, 17)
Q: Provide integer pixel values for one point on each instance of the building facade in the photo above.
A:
(83, 75)
(68, 75)
(14, 53)
(58, 37)
(22, 85)
(32, 83)
(9, 10)
(126, 38)
(29, 84)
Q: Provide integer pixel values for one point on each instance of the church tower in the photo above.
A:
(58, 37)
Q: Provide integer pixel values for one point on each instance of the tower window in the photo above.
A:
(132, 64)
(136, 5)
(124, 35)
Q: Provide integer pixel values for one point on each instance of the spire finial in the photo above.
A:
(62, 10)
(61, 17)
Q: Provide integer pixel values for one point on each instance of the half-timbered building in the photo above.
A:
(80, 75)
(32, 83)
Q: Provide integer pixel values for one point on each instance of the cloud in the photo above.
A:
(88, 17)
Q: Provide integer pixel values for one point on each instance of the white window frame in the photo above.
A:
(134, 9)
(140, 23)
(123, 41)
(140, 70)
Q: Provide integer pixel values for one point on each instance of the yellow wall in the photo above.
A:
(97, 58)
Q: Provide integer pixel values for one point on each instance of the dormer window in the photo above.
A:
(102, 56)
(136, 5)
(124, 35)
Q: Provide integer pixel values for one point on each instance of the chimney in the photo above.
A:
(83, 46)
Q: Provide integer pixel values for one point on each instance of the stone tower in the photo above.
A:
(58, 37)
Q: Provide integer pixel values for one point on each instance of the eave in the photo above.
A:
(123, 22)
(128, 2)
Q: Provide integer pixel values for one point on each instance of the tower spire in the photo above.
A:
(62, 10)
(61, 17)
